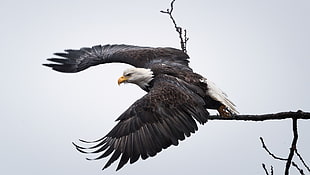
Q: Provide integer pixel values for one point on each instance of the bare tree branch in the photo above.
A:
(267, 150)
(266, 171)
(299, 169)
(302, 160)
(183, 39)
(277, 116)
(294, 116)
(264, 167)
(271, 170)
(293, 147)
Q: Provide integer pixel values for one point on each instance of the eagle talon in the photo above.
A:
(224, 112)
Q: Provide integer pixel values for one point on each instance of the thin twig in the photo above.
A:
(266, 171)
(302, 160)
(293, 146)
(184, 40)
(294, 116)
(264, 167)
(299, 169)
(267, 150)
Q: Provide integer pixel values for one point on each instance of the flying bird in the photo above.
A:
(177, 99)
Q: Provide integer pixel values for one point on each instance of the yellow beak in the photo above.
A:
(121, 80)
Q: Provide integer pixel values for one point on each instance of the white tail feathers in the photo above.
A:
(218, 95)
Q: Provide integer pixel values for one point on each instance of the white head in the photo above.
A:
(139, 76)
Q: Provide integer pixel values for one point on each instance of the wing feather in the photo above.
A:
(77, 60)
(135, 148)
(158, 120)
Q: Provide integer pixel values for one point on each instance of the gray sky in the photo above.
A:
(258, 52)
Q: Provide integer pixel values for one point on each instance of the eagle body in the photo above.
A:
(177, 99)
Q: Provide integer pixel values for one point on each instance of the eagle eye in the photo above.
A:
(128, 74)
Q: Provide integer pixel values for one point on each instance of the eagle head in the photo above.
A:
(139, 76)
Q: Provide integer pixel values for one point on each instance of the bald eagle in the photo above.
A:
(176, 99)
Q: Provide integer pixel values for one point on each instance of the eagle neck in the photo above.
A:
(146, 82)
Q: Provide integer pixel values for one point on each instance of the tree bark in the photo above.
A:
(277, 116)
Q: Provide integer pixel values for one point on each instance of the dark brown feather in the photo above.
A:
(81, 59)
(158, 120)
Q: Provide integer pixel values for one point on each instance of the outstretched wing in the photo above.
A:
(78, 60)
(159, 119)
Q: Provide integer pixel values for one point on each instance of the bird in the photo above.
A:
(176, 99)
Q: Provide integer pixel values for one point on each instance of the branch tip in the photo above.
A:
(183, 39)
(302, 160)
(269, 152)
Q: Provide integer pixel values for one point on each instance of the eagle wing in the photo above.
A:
(77, 60)
(159, 119)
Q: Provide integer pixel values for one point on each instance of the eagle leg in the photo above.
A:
(224, 112)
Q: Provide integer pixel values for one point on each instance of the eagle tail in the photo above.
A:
(220, 96)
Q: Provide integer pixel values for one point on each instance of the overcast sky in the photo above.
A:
(257, 51)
